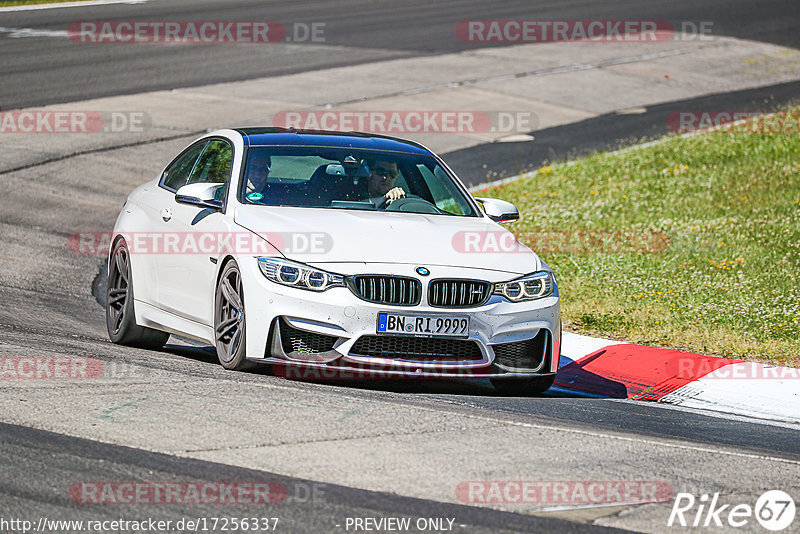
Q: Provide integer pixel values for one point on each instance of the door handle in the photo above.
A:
(166, 214)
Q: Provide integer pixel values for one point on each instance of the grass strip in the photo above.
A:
(692, 243)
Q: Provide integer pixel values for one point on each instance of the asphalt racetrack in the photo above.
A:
(385, 449)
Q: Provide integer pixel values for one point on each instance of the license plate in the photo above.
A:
(423, 325)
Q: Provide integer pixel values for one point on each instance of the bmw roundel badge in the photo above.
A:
(422, 271)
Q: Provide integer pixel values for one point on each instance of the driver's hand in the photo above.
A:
(394, 194)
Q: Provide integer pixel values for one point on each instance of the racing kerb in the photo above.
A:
(604, 368)
(597, 367)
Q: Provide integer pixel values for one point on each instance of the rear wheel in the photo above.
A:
(120, 318)
(519, 387)
(229, 319)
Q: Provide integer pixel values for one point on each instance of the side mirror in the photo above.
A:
(204, 195)
(499, 210)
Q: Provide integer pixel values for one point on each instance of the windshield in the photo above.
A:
(342, 178)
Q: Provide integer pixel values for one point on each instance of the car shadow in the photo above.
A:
(573, 376)
(573, 380)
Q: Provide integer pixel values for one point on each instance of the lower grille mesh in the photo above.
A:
(304, 342)
(417, 349)
(527, 354)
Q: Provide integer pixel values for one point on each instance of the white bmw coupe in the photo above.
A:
(325, 251)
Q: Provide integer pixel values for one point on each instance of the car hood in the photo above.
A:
(323, 236)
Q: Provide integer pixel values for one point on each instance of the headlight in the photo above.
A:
(289, 273)
(529, 287)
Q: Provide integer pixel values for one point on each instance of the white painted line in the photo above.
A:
(632, 111)
(16, 33)
(666, 442)
(748, 389)
(504, 181)
(566, 392)
(624, 150)
(497, 417)
(591, 506)
(516, 138)
(711, 413)
(85, 3)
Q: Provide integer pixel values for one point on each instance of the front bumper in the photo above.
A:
(334, 332)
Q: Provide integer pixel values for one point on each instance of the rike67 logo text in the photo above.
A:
(774, 510)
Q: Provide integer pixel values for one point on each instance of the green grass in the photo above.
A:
(727, 281)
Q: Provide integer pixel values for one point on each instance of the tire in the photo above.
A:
(229, 319)
(120, 317)
(521, 387)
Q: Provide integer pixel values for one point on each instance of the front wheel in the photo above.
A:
(120, 318)
(229, 319)
(521, 387)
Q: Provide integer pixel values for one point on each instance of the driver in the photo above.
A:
(259, 163)
(380, 183)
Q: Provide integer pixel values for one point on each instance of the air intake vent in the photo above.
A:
(417, 349)
(386, 289)
(529, 354)
(302, 342)
(458, 293)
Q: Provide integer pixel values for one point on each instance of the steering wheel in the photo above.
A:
(410, 203)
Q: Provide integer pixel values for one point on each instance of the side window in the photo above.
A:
(177, 174)
(443, 190)
(215, 163)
